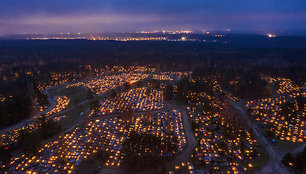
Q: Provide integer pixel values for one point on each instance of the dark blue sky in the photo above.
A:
(50, 16)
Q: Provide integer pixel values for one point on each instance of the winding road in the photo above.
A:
(29, 120)
(273, 166)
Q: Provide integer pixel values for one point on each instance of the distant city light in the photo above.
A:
(271, 35)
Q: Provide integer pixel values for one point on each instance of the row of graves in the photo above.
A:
(66, 152)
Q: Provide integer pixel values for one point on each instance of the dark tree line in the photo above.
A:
(149, 147)
(298, 162)
(30, 141)
(42, 99)
(166, 55)
(17, 104)
(168, 92)
(248, 81)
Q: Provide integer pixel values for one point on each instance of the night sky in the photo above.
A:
(54, 16)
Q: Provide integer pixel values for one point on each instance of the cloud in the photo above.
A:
(82, 19)
(135, 15)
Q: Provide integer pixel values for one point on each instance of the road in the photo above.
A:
(298, 149)
(29, 120)
(52, 105)
(51, 101)
(274, 165)
(191, 140)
